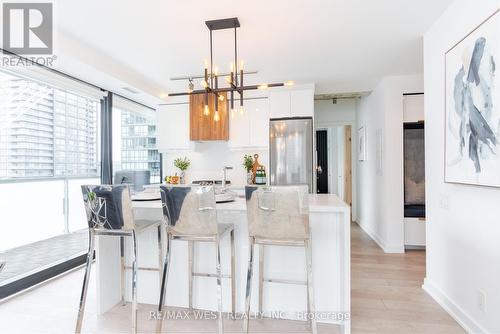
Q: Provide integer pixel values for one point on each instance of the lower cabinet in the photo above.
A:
(414, 232)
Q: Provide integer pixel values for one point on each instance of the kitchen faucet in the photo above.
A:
(224, 178)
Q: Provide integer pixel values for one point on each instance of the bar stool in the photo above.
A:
(192, 216)
(2, 264)
(109, 212)
(278, 216)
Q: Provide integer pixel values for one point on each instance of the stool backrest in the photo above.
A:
(190, 210)
(108, 207)
(278, 212)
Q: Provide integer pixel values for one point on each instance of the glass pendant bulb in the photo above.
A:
(242, 110)
(206, 110)
(233, 112)
(216, 116)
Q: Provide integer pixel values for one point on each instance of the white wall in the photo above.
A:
(463, 231)
(344, 111)
(380, 176)
(329, 115)
(208, 159)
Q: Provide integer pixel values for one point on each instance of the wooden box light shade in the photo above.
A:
(203, 127)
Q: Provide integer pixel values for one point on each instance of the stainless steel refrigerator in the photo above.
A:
(291, 151)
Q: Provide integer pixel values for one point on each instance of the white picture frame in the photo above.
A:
(362, 143)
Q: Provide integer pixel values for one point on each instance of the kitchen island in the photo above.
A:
(330, 228)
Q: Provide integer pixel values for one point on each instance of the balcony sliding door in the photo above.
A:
(49, 146)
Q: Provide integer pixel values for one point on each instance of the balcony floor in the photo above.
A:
(25, 260)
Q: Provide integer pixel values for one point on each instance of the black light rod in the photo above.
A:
(202, 76)
(227, 89)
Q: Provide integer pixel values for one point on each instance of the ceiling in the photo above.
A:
(340, 45)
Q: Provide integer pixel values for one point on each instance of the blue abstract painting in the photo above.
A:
(472, 131)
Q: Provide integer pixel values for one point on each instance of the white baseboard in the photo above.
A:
(387, 248)
(455, 311)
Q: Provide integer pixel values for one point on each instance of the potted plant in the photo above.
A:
(248, 164)
(183, 165)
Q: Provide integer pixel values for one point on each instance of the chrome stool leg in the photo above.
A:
(310, 289)
(219, 286)
(248, 290)
(233, 276)
(261, 276)
(163, 290)
(86, 279)
(134, 283)
(190, 271)
(122, 269)
(160, 253)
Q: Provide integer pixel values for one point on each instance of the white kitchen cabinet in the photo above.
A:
(301, 103)
(250, 129)
(279, 104)
(291, 103)
(259, 123)
(172, 127)
(239, 129)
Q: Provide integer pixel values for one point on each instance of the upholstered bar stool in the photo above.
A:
(2, 264)
(192, 216)
(109, 212)
(278, 216)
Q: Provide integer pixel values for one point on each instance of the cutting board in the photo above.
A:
(255, 166)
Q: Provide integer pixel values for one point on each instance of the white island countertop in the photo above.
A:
(317, 203)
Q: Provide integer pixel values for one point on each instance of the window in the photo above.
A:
(41, 134)
(134, 139)
(49, 146)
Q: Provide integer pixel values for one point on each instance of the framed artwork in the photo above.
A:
(472, 121)
(362, 143)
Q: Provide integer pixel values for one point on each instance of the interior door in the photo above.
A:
(322, 161)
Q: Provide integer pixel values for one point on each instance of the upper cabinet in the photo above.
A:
(302, 103)
(206, 127)
(279, 104)
(251, 128)
(295, 102)
(173, 127)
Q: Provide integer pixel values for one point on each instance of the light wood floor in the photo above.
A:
(386, 298)
(387, 294)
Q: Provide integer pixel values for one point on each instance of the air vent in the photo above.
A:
(130, 90)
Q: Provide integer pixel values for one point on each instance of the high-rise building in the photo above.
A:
(139, 150)
(45, 131)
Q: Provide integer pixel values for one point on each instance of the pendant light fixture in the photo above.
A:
(210, 79)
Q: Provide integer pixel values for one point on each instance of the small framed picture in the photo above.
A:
(362, 143)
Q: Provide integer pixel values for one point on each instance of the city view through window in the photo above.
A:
(49, 147)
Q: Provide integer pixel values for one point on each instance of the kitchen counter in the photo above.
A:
(330, 229)
(317, 203)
